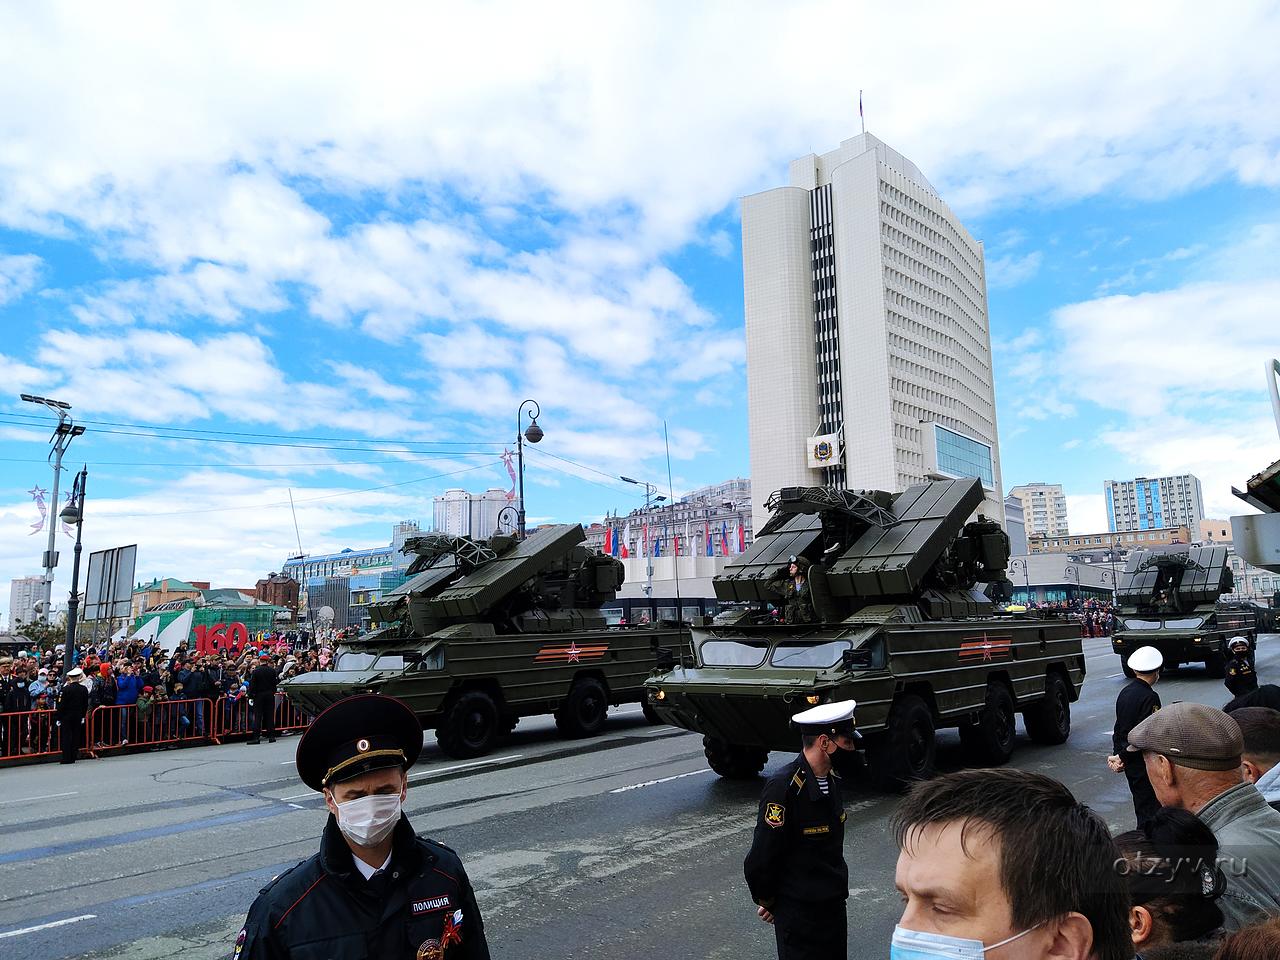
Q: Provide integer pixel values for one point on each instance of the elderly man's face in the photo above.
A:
(954, 890)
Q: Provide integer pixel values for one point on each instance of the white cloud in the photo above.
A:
(1086, 513)
(1011, 270)
(18, 275)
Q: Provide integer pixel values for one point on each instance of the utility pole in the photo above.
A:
(649, 490)
(63, 434)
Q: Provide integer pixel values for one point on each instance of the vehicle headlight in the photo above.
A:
(660, 694)
(1195, 639)
(813, 699)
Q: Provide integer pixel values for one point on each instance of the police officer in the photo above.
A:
(1241, 677)
(1136, 702)
(796, 870)
(263, 683)
(375, 889)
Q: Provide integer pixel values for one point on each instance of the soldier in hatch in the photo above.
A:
(793, 586)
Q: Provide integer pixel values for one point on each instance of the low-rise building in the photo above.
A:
(1132, 540)
(147, 596)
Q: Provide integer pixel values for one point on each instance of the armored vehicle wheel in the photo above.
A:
(470, 726)
(906, 751)
(584, 710)
(734, 762)
(1048, 720)
(989, 742)
(650, 714)
(1215, 666)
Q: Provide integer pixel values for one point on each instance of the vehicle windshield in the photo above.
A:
(388, 661)
(734, 653)
(1184, 623)
(1142, 624)
(809, 654)
(354, 660)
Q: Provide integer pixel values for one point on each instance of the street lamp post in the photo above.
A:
(63, 434)
(1069, 569)
(533, 434)
(74, 513)
(649, 490)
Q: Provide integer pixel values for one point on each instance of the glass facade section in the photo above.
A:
(963, 456)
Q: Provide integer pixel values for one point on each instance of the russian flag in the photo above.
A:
(711, 548)
(724, 538)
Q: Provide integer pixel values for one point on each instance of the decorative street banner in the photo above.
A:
(37, 494)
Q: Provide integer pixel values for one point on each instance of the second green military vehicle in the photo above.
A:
(486, 632)
(897, 624)
(1169, 600)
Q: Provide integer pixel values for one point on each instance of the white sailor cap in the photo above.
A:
(1237, 641)
(830, 718)
(1145, 660)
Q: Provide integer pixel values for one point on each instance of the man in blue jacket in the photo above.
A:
(128, 686)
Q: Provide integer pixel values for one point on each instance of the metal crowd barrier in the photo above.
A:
(34, 734)
(165, 723)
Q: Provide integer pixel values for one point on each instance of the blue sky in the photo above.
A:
(396, 228)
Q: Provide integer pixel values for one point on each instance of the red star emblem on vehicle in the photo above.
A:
(573, 652)
(986, 647)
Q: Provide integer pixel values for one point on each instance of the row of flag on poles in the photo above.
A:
(708, 542)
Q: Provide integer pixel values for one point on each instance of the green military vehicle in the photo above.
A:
(897, 624)
(1169, 600)
(486, 632)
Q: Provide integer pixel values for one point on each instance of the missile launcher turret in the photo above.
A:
(898, 609)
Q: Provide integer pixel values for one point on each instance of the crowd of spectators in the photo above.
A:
(1097, 617)
(131, 673)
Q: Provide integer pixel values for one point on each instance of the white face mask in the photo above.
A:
(917, 945)
(367, 821)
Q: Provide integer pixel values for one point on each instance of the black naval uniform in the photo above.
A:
(796, 868)
(421, 907)
(1136, 702)
(1240, 675)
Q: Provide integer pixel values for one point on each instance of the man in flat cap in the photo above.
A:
(795, 869)
(375, 889)
(1137, 701)
(1192, 754)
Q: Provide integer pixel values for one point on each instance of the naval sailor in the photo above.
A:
(795, 869)
(1136, 702)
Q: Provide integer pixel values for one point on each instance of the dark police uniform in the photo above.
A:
(795, 868)
(1136, 702)
(420, 906)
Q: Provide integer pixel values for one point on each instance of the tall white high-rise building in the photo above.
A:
(462, 514)
(866, 320)
(23, 594)
(1150, 503)
(1044, 508)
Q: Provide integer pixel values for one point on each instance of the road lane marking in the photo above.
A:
(425, 774)
(46, 926)
(1112, 676)
(467, 766)
(653, 783)
(47, 796)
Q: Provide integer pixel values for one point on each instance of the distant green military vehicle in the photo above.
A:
(1170, 601)
(898, 625)
(486, 632)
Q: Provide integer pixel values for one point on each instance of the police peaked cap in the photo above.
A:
(833, 719)
(356, 735)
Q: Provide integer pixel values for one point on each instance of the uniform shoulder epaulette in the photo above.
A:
(281, 877)
(797, 781)
(437, 843)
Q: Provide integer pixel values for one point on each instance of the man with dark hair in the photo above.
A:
(262, 696)
(995, 857)
(795, 869)
(1260, 729)
(1192, 753)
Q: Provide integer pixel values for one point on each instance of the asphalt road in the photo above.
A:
(615, 847)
